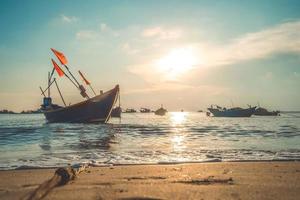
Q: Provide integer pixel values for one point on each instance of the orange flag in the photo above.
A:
(61, 57)
(57, 68)
(85, 80)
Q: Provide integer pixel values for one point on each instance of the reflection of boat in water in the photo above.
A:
(217, 111)
(130, 110)
(116, 112)
(145, 110)
(161, 111)
(264, 112)
(93, 109)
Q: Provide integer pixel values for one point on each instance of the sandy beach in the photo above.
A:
(224, 180)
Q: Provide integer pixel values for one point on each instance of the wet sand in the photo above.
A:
(224, 180)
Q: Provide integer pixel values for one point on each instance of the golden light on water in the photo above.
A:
(178, 138)
(176, 62)
(178, 118)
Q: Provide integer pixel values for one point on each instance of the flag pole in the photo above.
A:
(71, 74)
(87, 82)
(93, 90)
(64, 61)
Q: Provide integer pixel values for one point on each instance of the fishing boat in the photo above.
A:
(130, 110)
(93, 109)
(264, 112)
(116, 112)
(218, 111)
(161, 111)
(145, 110)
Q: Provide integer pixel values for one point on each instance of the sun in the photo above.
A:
(177, 62)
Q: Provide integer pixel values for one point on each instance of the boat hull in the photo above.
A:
(233, 113)
(96, 109)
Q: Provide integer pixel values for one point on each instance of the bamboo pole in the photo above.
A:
(42, 91)
(48, 84)
(48, 87)
(59, 92)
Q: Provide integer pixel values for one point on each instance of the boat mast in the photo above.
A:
(59, 92)
(48, 84)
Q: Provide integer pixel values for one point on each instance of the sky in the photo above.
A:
(182, 54)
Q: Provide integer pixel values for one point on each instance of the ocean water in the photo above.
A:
(26, 140)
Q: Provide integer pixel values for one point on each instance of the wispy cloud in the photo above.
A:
(86, 34)
(68, 19)
(162, 33)
(101, 30)
(283, 38)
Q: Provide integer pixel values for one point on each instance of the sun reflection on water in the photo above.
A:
(178, 136)
(178, 118)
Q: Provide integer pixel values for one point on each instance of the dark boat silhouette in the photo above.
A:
(130, 110)
(145, 110)
(218, 111)
(116, 112)
(95, 109)
(264, 112)
(161, 111)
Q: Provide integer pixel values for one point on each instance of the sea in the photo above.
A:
(28, 141)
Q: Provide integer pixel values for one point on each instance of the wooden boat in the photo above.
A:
(130, 110)
(161, 111)
(145, 110)
(95, 109)
(116, 112)
(217, 111)
(264, 112)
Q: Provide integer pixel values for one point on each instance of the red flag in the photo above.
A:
(85, 80)
(61, 57)
(57, 68)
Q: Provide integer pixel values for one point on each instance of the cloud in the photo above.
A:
(162, 33)
(126, 47)
(68, 19)
(86, 35)
(103, 30)
(283, 38)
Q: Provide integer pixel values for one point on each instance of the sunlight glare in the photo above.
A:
(178, 117)
(176, 62)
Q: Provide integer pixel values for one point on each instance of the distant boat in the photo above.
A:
(218, 111)
(145, 110)
(200, 111)
(264, 112)
(130, 110)
(116, 112)
(161, 111)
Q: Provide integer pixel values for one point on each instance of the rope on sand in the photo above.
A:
(61, 177)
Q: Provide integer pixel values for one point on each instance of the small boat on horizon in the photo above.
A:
(93, 109)
(264, 112)
(218, 111)
(145, 110)
(161, 111)
(130, 110)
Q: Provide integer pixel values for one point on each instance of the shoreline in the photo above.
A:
(212, 180)
(25, 167)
